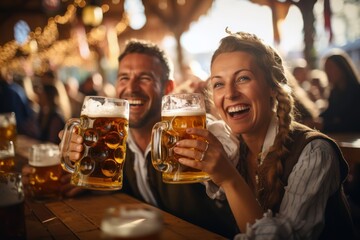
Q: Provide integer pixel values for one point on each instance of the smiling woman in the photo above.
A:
(279, 157)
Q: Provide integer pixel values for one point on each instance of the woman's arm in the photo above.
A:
(241, 198)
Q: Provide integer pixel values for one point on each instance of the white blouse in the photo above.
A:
(314, 178)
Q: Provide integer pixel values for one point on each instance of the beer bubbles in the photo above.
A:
(104, 127)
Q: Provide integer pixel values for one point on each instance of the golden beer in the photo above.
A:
(7, 127)
(44, 182)
(7, 156)
(105, 148)
(8, 132)
(103, 124)
(179, 112)
(178, 126)
(7, 163)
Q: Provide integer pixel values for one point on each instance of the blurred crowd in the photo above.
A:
(326, 98)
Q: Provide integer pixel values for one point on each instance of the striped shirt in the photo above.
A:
(314, 178)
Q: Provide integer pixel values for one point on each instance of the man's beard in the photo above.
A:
(151, 117)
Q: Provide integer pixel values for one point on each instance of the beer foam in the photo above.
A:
(132, 223)
(93, 108)
(7, 150)
(189, 111)
(43, 155)
(7, 119)
(11, 191)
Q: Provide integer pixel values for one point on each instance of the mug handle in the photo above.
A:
(66, 163)
(159, 152)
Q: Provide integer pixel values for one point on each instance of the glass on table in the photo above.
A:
(131, 221)
(44, 182)
(7, 156)
(8, 127)
(12, 206)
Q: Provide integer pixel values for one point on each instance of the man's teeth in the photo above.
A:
(237, 109)
(135, 102)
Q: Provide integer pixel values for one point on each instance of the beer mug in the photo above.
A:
(8, 127)
(7, 156)
(179, 112)
(103, 124)
(12, 206)
(44, 182)
(131, 221)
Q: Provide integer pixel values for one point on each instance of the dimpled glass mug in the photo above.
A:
(103, 124)
(178, 112)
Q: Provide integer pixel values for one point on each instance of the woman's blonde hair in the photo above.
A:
(270, 172)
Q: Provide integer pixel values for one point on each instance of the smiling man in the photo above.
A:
(144, 77)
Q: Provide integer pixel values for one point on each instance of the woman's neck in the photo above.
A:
(254, 142)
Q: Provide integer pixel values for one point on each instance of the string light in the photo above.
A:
(43, 44)
(92, 15)
(135, 12)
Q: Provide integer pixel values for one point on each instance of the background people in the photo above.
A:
(342, 113)
(305, 110)
(13, 99)
(76, 98)
(55, 108)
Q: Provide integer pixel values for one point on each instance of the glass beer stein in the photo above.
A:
(8, 127)
(7, 141)
(12, 206)
(104, 126)
(179, 112)
(44, 182)
(7, 156)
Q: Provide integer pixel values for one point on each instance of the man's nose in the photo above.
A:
(133, 85)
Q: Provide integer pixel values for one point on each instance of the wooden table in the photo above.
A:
(80, 218)
(350, 146)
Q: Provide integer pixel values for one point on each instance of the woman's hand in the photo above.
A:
(209, 155)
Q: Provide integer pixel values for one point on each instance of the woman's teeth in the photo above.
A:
(238, 110)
